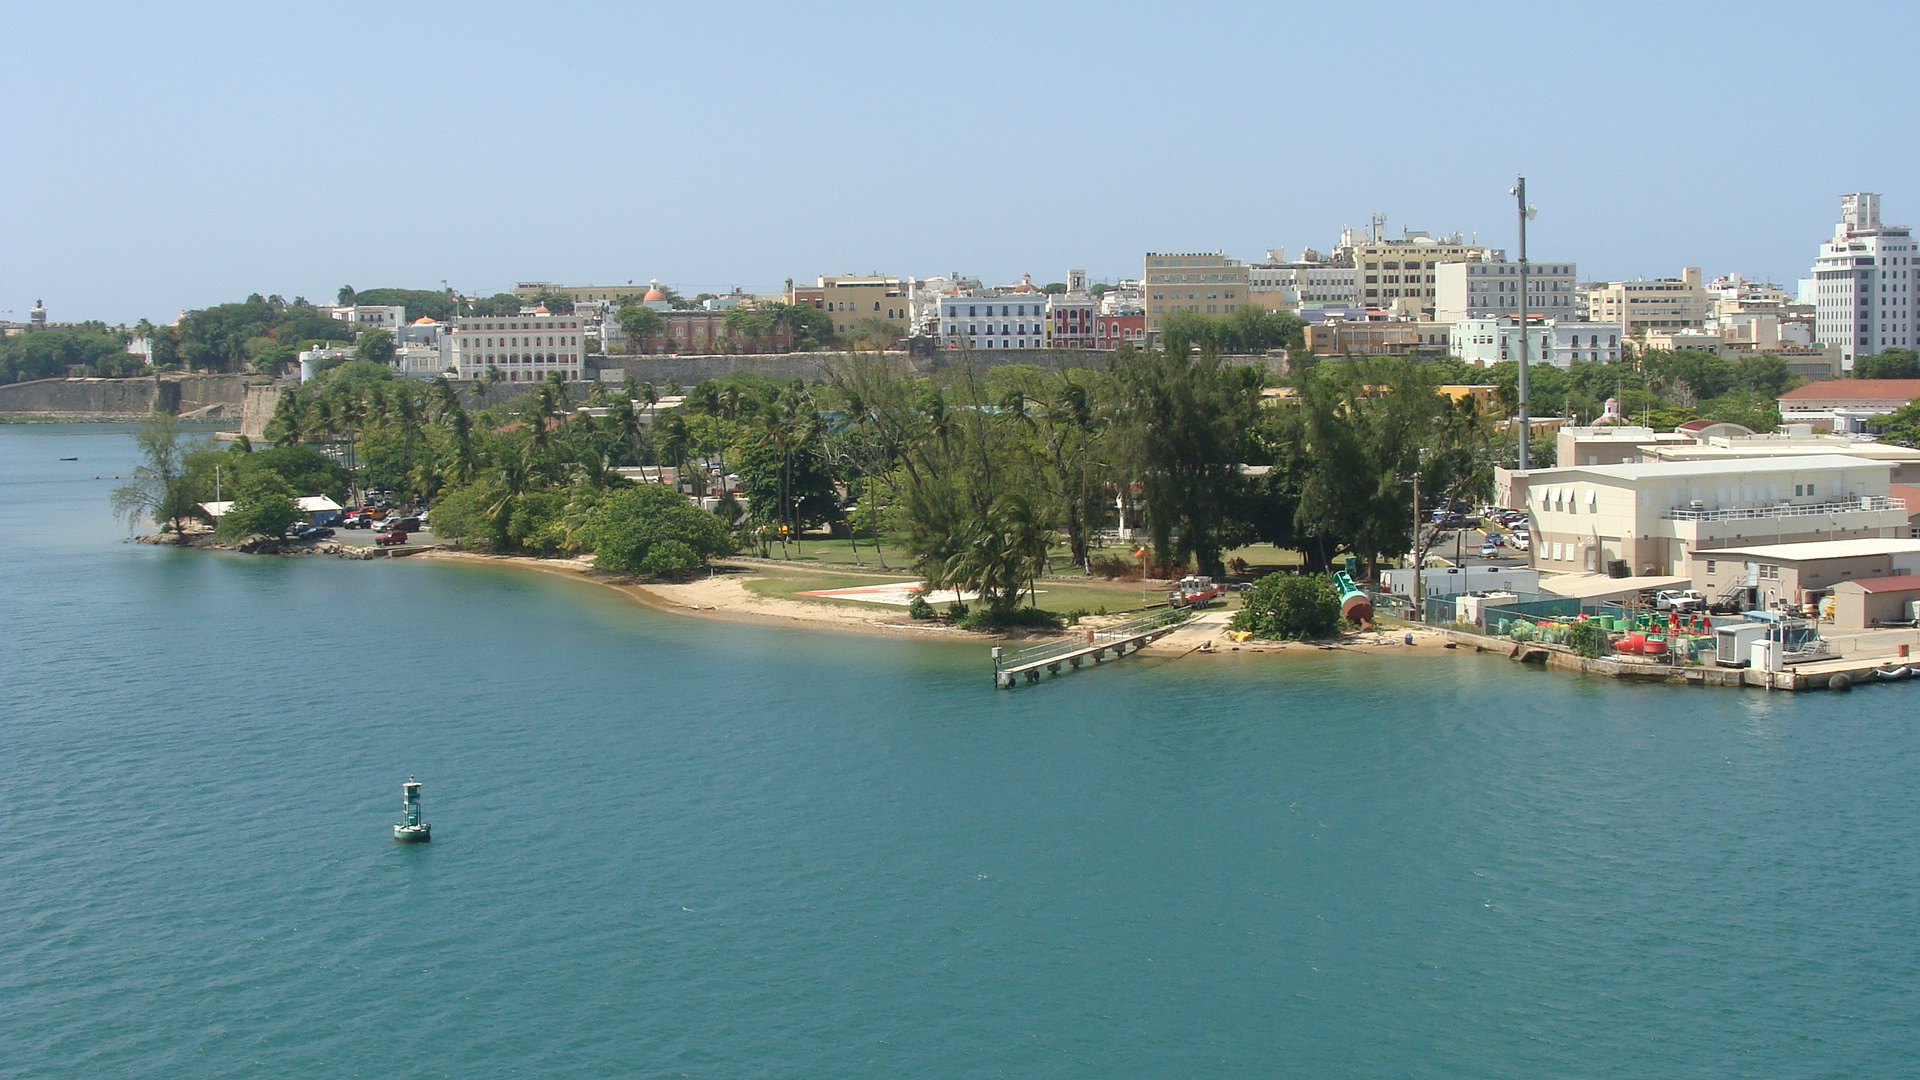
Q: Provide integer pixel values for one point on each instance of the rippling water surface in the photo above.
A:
(666, 847)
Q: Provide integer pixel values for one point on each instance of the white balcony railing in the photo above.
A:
(1862, 505)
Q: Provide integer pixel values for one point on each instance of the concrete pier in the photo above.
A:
(1054, 656)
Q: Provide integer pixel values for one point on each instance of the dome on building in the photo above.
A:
(542, 310)
(1611, 415)
(424, 321)
(654, 295)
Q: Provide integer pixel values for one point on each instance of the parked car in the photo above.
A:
(1522, 542)
(1679, 600)
(388, 537)
(1489, 551)
(404, 524)
(311, 532)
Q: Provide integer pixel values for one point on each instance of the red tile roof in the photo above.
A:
(1901, 390)
(1903, 583)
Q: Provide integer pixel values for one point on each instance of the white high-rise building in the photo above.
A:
(1864, 283)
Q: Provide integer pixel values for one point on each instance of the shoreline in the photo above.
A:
(725, 597)
(722, 596)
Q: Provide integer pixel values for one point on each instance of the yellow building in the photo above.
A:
(849, 301)
(1204, 284)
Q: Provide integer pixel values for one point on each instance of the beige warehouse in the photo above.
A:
(1871, 602)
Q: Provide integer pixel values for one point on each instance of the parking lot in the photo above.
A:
(364, 537)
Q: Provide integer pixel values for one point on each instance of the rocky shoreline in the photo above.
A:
(266, 545)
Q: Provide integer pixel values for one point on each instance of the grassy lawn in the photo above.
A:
(820, 552)
(1055, 595)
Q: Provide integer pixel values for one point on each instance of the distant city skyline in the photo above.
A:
(174, 158)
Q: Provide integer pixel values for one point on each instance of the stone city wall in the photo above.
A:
(199, 397)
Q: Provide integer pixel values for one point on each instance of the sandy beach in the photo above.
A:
(725, 596)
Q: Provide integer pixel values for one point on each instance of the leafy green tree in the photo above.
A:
(1900, 427)
(1181, 425)
(436, 304)
(874, 333)
(1289, 607)
(1888, 364)
(262, 506)
(639, 322)
(786, 482)
(50, 354)
(649, 529)
(161, 488)
(1249, 328)
(374, 346)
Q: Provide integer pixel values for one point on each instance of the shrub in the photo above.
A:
(1027, 618)
(1587, 638)
(1290, 607)
(626, 528)
(957, 610)
(918, 608)
(262, 504)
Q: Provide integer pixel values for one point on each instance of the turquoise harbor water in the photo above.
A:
(667, 847)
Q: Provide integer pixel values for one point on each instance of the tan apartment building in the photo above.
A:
(1797, 574)
(849, 301)
(1403, 273)
(1376, 338)
(582, 294)
(1206, 284)
(1653, 516)
(1663, 304)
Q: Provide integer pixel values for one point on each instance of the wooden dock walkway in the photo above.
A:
(1056, 656)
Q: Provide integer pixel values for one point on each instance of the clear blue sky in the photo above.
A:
(168, 156)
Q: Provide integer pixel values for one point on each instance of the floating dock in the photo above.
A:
(1092, 644)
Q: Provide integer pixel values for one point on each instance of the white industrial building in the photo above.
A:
(525, 348)
(1864, 283)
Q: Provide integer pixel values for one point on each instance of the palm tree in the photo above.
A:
(671, 442)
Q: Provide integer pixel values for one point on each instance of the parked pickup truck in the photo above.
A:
(1679, 600)
(387, 537)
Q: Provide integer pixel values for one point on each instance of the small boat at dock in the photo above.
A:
(411, 830)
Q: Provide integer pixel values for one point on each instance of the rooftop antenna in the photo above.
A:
(1377, 225)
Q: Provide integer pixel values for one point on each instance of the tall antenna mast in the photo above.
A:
(1526, 213)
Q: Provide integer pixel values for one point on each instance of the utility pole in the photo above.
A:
(1419, 579)
(1526, 212)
